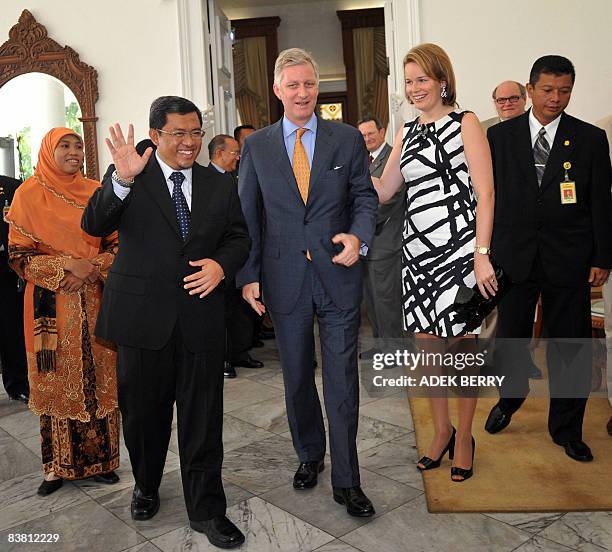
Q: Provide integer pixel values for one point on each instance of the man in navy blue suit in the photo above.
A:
(310, 208)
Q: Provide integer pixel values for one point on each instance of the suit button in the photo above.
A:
(539, 202)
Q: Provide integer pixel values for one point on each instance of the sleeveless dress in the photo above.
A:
(440, 227)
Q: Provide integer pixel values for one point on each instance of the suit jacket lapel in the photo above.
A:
(155, 184)
(277, 143)
(323, 152)
(524, 150)
(559, 152)
(198, 198)
(385, 152)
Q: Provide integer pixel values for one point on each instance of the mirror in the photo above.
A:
(50, 103)
(57, 88)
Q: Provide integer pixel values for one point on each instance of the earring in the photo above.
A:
(443, 92)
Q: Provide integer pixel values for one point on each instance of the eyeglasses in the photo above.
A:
(179, 134)
(510, 99)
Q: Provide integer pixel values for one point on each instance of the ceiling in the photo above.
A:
(229, 6)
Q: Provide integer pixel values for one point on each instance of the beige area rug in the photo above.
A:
(520, 469)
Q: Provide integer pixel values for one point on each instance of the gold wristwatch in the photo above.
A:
(482, 250)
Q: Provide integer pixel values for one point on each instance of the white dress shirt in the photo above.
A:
(376, 152)
(535, 126)
(122, 192)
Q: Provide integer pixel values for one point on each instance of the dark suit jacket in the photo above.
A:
(144, 297)
(390, 216)
(530, 220)
(8, 186)
(341, 199)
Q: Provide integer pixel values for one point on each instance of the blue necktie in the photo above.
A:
(183, 216)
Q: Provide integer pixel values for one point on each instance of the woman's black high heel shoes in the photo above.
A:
(430, 464)
(461, 472)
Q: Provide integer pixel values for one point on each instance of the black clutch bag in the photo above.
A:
(472, 308)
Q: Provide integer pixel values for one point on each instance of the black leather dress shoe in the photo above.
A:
(497, 420)
(229, 371)
(609, 427)
(21, 397)
(577, 450)
(356, 502)
(248, 362)
(306, 476)
(109, 478)
(220, 531)
(143, 506)
(48, 487)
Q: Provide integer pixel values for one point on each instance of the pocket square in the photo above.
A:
(338, 167)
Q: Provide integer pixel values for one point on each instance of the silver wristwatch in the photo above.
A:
(121, 181)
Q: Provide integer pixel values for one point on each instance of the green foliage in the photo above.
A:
(24, 150)
(73, 113)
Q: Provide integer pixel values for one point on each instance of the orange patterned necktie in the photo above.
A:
(301, 167)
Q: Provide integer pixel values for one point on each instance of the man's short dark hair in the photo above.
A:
(217, 143)
(368, 118)
(240, 128)
(170, 104)
(551, 65)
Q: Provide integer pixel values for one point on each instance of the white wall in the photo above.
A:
(132, 44)
(489, 42)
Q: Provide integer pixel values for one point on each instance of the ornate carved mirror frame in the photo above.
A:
(30, 50)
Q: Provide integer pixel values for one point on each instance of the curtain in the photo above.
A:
(371, 72)
(251, 81)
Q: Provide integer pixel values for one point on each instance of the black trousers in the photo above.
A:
(12, 346)
(149, 382)
(566, 313)
(240, 324)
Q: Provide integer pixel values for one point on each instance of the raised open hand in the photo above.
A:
(125, 157)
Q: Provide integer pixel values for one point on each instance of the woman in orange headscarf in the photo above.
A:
(73, 386)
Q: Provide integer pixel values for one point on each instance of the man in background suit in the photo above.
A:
(309, 204)
(12, 346)
(224, 153)
(509, 99)
(553, 236)
(181, 231)
(383, 263)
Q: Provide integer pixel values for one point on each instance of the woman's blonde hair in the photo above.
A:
(437, 65)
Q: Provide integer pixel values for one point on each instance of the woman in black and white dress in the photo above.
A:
(444, 160)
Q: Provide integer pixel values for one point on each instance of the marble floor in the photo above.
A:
(258, 468)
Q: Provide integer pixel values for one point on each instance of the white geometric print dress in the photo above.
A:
(440, 227)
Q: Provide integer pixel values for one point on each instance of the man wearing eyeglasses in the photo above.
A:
(509, 99)
(182, 232)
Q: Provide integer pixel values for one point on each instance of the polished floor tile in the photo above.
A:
(261, 466)
(539, 544)
(396, 460)
(317, 506)
(410, 527)
(16, 459)
(242, 392)
(21, 425)
(393, 410)
(532, 522)
(266, 528)
(85, 527)
(19, 502)
(584, 531)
